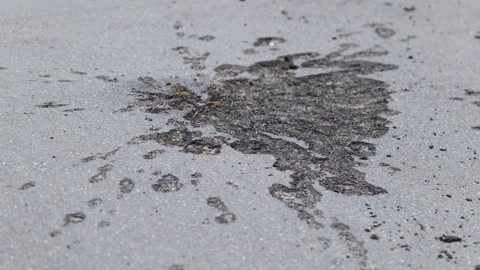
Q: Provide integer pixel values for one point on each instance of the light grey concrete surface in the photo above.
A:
(52, 51)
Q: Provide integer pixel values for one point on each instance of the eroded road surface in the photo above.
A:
(239, 135)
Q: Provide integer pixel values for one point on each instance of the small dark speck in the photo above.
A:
(55, 233)
(409, 9)
(65, 81)
(27, 185)
(157, 172)
(449, 238)
(374, 237)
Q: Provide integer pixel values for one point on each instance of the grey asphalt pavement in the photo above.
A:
(268, 134)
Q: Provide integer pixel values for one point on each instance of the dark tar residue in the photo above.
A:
(314, 125)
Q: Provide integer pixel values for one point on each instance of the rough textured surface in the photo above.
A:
(239, 134)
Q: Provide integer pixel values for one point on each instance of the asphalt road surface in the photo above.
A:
(239, 134)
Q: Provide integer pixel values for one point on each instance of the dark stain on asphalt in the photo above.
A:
(51, 104)
(106, 78)
(181, 50)
(74, 110)
(190, 141)
(331, 113)
(102, 175)
(217, 203)
(470, 92)
(55, 233)
(226, 217)
(206, 38)
(197, 62)
(355, 247)
(449, 238)
(103, 224)
(126, 185)
(168, 183)
(384, 32)
(153, 154)
(268, 41)
(249, 51)
(94, 202)
(314, 125)
(28, 185)
(99, 156)
(74, 218)
(76, 72)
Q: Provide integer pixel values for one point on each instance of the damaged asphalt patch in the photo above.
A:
(330, 113)
(315, 125)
